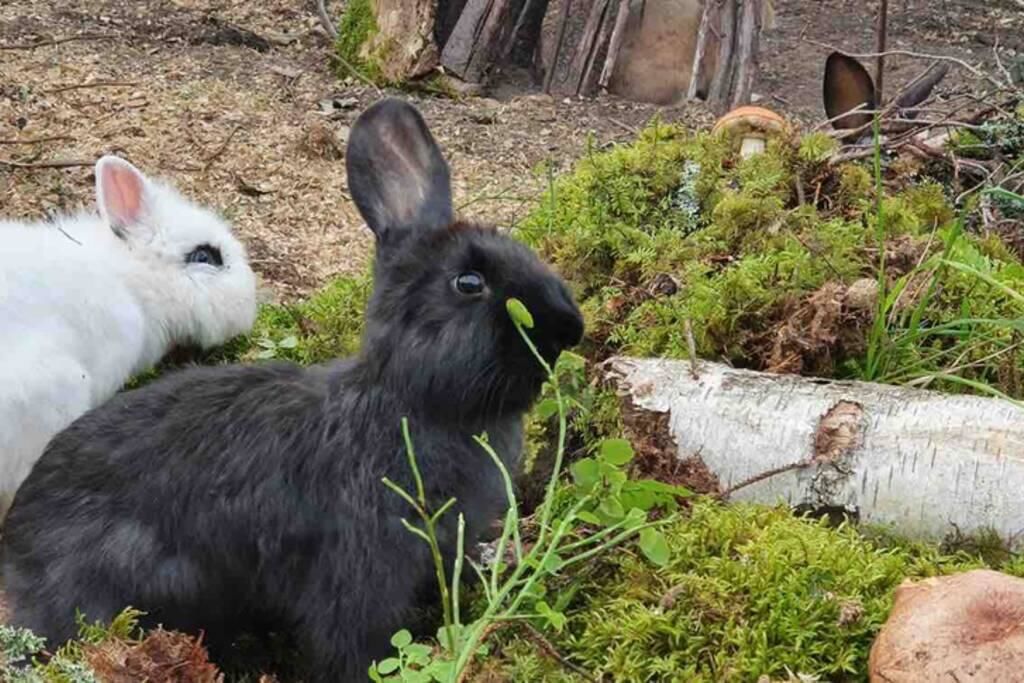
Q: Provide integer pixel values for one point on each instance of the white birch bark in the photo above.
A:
(922, 462)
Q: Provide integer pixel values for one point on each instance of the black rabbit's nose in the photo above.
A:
(566, 321)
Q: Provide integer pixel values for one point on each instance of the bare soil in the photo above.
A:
(238, 104)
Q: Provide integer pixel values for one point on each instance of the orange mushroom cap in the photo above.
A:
(750, 119)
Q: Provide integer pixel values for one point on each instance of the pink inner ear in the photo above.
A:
(121, 189)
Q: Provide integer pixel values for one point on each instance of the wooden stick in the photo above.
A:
(700, 52)
(881, 30)
(57, 163)
(516, 28)
(553, 67)
(721, 84)
(325, 20)
(57, 41)
(587, 47)
(35, 141)
(220, 150)
(92, 84)
(977, 73)
(615, 44)
(748, 36)
(602, 38)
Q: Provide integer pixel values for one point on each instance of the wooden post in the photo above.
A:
(471, 47)
(588, 45)
(559, 38)
(882, 29)
(721, 83)
(747, 38)
(615, 44)
(711, 8)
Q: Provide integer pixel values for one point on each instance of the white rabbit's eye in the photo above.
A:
(469, 283)
(205, 253)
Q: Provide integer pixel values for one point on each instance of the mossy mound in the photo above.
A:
(759, 256)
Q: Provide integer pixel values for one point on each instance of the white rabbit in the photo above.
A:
(88, 301)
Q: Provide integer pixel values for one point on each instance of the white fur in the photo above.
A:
(83, 309)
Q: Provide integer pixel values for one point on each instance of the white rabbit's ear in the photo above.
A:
(120, 192)
(397, 175)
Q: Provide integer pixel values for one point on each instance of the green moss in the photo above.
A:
(325, 326)
(750, 591)
(358, 26)
(675, 228)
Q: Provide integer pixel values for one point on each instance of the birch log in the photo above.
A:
(924, 463)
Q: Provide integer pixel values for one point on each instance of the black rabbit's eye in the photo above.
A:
(205, 253)
(469, 283)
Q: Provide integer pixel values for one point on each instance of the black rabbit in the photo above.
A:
(222, 497)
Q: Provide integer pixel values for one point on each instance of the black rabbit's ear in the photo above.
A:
(847, 86)
(397, 175)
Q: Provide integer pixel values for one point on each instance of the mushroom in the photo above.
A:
(752, 125)
(967, 626)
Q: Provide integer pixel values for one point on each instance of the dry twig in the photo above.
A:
(56, 163)
(325, 20)
(724, 495)
(58, 41)
(92, 84)
(220, 150)
(914, 55)
(36, 141)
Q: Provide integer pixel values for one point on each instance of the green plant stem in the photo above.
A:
(460, 551)
(431, 531)
(511, 518)
(562, 430)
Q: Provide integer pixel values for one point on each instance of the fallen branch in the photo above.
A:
(700, 52)
(36, 141)
(614, 44)
(325, 21)
(220, 150)
(563, 19)
(917, 460)
(57, 163)
(92, 84)
(58, 41)
(915, 55)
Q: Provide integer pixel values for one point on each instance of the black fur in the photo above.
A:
(218, 499)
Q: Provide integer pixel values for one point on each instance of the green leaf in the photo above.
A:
(418, 653)
(401, 639)
(553, 562)
(555, 618)
(572, 361)
(586, 473)
(389, 666)
(266, 353)
(588, 517)
(442, 634)
(547, 408)
(638, 498)
(413, 676)
(374, 675)
(441, 670)
(616, 478)
(289, 342)
(616, 451)
(519, 313)
(654, 547)
(612, 507)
